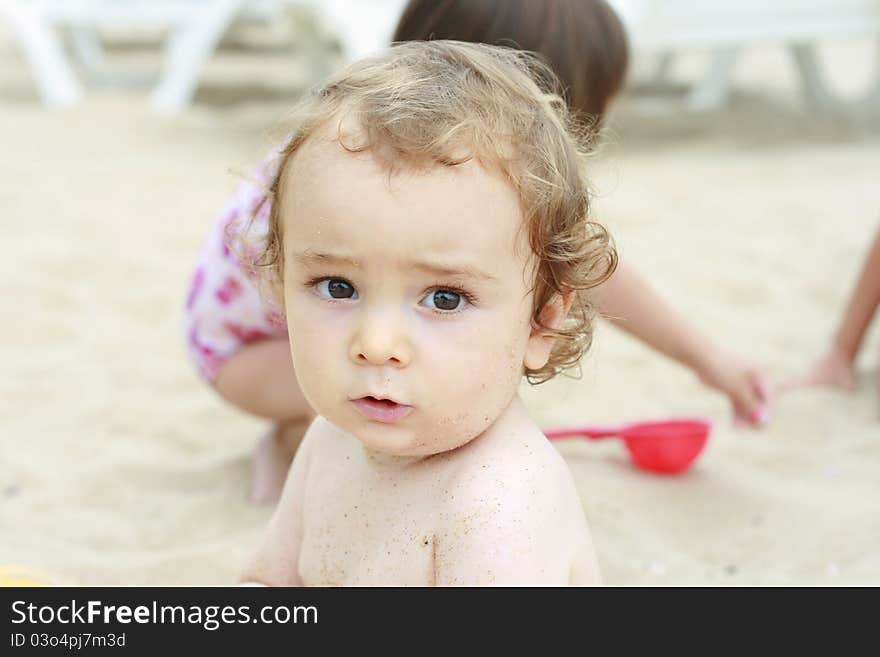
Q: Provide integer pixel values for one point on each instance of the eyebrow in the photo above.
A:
(309, 257)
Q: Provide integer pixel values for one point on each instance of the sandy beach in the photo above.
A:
(119, 466)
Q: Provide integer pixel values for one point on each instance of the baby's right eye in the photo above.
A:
(336, 288)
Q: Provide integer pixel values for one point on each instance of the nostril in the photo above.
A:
(362, 358)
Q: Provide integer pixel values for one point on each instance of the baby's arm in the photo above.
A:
(276, 562)
(633, 305)
(836, 366)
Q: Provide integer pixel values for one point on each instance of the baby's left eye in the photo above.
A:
(444, 300)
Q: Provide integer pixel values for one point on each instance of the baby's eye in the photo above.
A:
(445, 300)
(336, 288)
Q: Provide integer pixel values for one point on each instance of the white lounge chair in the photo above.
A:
(43, 51)
(729, 26)
(194, 28)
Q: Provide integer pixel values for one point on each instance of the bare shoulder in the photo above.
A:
(519, 460)
(319, 432)
(513, 516)
(276, 560)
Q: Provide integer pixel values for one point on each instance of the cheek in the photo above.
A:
(314, 346)
(503, 368)
(497, 346)
(480, 370)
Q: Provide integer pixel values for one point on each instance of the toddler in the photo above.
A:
(239, 342)
(430, 244)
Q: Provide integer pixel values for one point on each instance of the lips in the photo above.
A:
(381, 410)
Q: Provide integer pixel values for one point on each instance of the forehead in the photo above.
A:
(332, 197)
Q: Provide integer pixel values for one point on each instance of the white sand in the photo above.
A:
(117, 465)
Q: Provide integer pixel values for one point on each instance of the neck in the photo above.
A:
(385, 460)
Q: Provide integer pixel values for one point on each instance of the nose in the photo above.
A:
(381, 339)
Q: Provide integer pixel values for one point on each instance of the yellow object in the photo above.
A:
(16, 575)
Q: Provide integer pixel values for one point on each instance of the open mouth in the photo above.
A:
(381, 410)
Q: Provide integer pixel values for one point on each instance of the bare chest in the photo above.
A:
(360, 529)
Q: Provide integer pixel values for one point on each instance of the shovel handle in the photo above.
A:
(592, 431)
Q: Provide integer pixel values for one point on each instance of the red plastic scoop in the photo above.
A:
(664, 447)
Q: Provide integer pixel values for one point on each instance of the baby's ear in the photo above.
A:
(541, 340)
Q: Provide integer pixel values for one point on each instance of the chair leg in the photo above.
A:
(187, 52)
(813, 86)
(714, 90)
(363, 27)
(38, 40)
(874, 93)
(88, 50)
(663, 68)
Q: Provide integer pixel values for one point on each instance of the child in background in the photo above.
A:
(430, 242)
(239, 343)
(836, 367)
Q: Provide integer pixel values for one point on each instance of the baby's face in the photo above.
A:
(407, 296)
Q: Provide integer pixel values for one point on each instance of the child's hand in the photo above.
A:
(834, 369)
(745, 385)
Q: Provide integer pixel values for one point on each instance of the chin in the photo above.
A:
(392, 440)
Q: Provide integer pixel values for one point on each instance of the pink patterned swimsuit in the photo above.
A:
(224, 309)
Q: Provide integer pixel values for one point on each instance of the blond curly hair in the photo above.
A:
(442, 103)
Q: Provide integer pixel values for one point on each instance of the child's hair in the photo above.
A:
(442, 103)
(583, 41)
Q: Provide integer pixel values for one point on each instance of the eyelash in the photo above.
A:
(464, 294)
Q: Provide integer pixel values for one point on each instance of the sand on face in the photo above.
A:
(118, 465)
